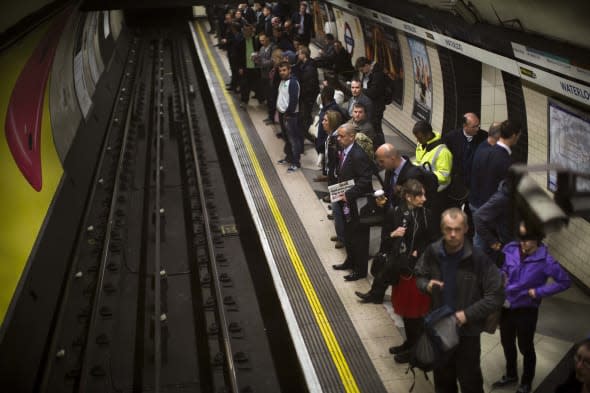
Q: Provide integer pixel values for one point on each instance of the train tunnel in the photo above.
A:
(69, 66)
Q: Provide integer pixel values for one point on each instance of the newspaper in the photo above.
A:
(337, 190)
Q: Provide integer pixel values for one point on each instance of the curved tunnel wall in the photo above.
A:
(40, 227)
(495, 87)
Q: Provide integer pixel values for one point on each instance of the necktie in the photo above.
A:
(341, 157)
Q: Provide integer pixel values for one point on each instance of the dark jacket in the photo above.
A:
(479, 290)
(358, 167)
(531, 272)
(493, 221)
(408, 171)
(376, 88)
(490, 166)
(463, 153)
(307, 26)
(308, 78)
(419, 231)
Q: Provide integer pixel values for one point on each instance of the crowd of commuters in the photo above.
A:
(448, 233)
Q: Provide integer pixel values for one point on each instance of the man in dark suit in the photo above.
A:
(373, 83)
(354, 164)
(462, 143)
(398, 170)
(490, 166)
(303, 23)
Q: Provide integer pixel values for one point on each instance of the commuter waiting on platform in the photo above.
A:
(462, 143)
(307, 75)
(358, 96)
(361, 122)
(373, 84)
(354, 164)
(527, 268)
(331, 119)
(490, 166)
(430, 149)
(463, 278)
(398, 170)
(288, 108)
(327, 104)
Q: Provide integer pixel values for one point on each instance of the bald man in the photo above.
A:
(462, 143)
(398, 169)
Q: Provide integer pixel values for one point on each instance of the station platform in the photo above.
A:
(342, 344)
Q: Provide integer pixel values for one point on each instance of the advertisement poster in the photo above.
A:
(323, 21)
(350, 33)
(382, 46)
(569, 142)
(422, 80)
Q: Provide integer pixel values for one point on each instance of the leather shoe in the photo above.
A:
(342, 266)
(403, 357)
(523, 388)
(338, 244)
(399, 348)
(504, 381)
(354, 277)
(333, 238)
(369, 297)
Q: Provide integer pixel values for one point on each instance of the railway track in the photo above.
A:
(151, 301)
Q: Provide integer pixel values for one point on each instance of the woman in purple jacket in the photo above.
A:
(527, 267)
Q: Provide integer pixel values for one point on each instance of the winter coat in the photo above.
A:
(532, 272)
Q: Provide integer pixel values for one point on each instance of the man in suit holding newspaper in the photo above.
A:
(355, 165)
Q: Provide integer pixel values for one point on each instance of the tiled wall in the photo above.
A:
(438, 93)
(493, 97)
(402, 118)
(569, 246)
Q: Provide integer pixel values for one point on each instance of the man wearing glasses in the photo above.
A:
(462, 143)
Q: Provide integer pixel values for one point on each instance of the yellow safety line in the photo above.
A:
(338, 358)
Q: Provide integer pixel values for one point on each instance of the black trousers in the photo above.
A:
(356, 241)
(250, 81)
(519, 323)
(463, 366)
(414, 328)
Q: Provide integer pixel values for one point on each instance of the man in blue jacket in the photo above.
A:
(527, 267)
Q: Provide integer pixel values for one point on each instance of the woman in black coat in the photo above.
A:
(411, 232)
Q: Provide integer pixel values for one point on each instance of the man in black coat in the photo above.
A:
(310, 88)
(373, 83)
(398, 170)
(354, 164)
(462, 143)
(303, 23)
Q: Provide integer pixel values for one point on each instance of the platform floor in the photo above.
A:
(563, 319)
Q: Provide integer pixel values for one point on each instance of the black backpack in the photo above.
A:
(428, 180)
(432, 351)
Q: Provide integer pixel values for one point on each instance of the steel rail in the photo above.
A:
(231, 370)
(53, 346)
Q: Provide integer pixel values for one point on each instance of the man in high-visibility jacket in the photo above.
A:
(431, 149)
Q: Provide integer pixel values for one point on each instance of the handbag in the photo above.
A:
(378, 264)
(368, 212)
